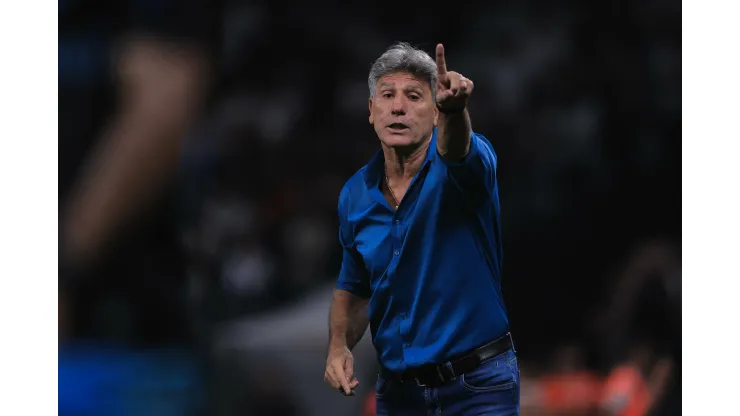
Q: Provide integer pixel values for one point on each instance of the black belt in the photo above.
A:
(432, 374)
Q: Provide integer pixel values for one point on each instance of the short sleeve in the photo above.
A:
(476, 172)
(353, 276)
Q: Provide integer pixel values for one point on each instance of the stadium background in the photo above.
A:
(214, 297)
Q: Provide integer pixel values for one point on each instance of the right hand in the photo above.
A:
(340, 373)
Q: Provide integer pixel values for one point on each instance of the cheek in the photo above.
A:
(378, 111)
(426, 115)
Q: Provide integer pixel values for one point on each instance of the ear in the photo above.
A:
(370, 107)
(436, 115)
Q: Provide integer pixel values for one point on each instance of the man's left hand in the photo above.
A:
(453, 89)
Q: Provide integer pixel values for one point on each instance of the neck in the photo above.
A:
(405, 162)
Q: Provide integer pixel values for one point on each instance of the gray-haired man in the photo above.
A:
(419, 225)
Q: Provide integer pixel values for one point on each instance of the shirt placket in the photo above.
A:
(397, 234)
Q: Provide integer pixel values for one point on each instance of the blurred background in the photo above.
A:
(203, 146)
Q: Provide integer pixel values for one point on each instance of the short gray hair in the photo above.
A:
(404, 57)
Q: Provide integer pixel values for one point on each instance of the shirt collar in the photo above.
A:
(375, 167)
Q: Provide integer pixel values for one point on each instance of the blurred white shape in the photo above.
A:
(296, 337)
(247, 271)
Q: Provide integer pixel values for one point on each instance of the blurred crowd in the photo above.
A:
(203, 146)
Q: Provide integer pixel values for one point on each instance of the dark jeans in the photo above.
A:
(491, 390)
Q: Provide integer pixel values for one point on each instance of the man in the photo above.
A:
(419, 225)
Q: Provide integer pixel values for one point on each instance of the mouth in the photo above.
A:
(397, 127)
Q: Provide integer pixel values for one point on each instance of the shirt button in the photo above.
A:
(396, 252)
(398, 221)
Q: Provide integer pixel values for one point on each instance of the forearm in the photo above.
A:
(137, 159)
(161, 88)
(348, 320)
(454, 134)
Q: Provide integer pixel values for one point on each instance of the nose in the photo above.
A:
(398, 106)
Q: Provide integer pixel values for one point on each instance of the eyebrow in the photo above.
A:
(387, 84)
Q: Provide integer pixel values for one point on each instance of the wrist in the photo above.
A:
(451, 111)
(338, 343)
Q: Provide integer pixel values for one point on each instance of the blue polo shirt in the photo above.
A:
(432, 269)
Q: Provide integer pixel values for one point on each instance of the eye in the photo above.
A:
(414, 97)
(387, 95)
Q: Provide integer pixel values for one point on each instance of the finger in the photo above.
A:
(353, 382)
(466, 87)
(351, 392)
(443, 81)
(469, 86)
(339, 373)
(334, 379)
(441, 64)
(463, 88)
(331, 379)
(443, 95)
(455, 84)
(349, 370)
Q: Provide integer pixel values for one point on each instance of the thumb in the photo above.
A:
(349, 370)
(354, 383)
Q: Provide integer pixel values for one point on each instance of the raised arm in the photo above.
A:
(453, 92)
(470, 158)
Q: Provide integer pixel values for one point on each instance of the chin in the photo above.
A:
(400, 140)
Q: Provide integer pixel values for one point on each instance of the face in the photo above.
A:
(403, 110)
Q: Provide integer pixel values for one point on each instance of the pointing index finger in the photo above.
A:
(441, 64)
